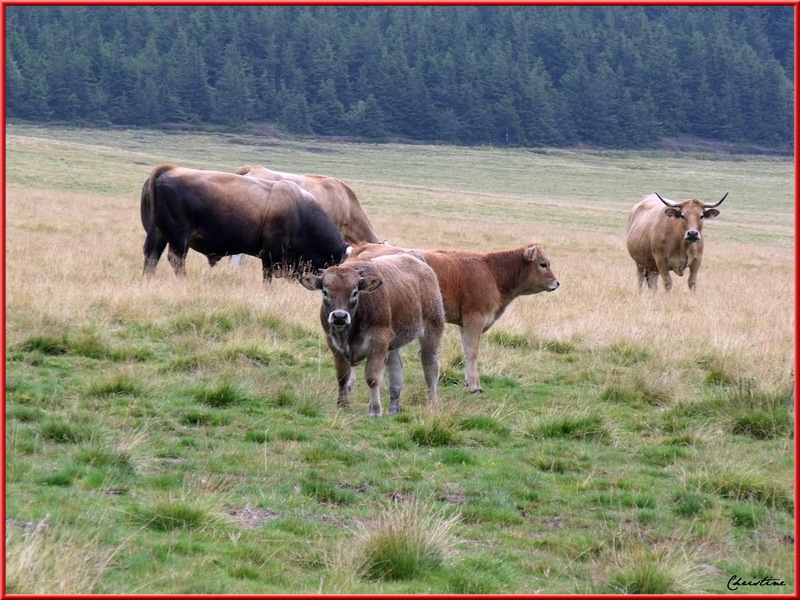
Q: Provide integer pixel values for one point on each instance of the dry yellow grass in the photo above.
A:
(73, 257)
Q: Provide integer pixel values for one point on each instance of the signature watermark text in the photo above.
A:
(735, 582)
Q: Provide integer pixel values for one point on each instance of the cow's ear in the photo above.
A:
(711, 213)
(369, 284)
(530, 253)
(673, 212)
(311, 282)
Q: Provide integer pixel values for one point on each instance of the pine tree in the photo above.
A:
(235, 90)
(328, 114)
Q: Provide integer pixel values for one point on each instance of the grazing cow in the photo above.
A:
(370, 309)
(333, 195)
(218, 214)
(661, 239)
(478, 287)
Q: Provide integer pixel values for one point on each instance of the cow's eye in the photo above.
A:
(544, 265)
(682, 216)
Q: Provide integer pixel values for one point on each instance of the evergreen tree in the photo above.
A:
(328, 114)
(365, 119)
(188, 80)
(234, 91)
(293, 112)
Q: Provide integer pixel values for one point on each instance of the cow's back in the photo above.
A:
(335, 197)
(212, 212)
(216, 194)
(647, 230)
(465, 283)
(410, 290)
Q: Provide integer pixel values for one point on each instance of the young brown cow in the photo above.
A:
(370, 309)
(477, 287)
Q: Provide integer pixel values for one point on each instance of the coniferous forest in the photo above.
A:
(604, 76)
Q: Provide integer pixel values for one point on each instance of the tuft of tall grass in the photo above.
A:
(508, 340)
(326, 491)
(639, 391)
(659, 569)
(223, 395)
(440, 430)
(747, 514)
(168, 512)
(579, 424)
(757, 413)
(120, 385)
(406, 541)
(690, 504)
(43, 560)
(64, 432)
(743, 483)
(87, 344)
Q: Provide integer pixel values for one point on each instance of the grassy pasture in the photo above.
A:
(173, 436)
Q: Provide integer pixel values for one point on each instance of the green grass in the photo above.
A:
(182, 437)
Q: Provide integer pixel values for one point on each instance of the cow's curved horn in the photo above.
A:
(669, 203)
(716, 203)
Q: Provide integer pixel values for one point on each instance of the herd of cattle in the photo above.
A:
(376, 297)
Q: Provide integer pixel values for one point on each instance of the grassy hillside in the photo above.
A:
(170, 436)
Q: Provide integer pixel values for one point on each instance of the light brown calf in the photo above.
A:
(370, 309)
(477, 287)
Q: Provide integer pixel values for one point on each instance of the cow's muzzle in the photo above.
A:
(553, 286)
(339, 318)
(692, 235)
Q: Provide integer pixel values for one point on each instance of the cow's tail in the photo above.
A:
(151, 249)
(149, 197)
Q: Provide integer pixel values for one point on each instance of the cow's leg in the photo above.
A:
(694, 269)
(652, 279)
(373, 371)
(470, 340)
(266, 270)
(645, 275)
(343, 377)
(177, 258)
(154, 245)
(663, 271)
(429, 355)
(394, 364)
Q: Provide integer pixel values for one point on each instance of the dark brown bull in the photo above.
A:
(218, 214)
(477, 288)
(370, 309)
(661, 239)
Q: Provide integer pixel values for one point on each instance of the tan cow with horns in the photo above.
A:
(662, 239)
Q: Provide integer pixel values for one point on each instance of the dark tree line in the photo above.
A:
(618, 76)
